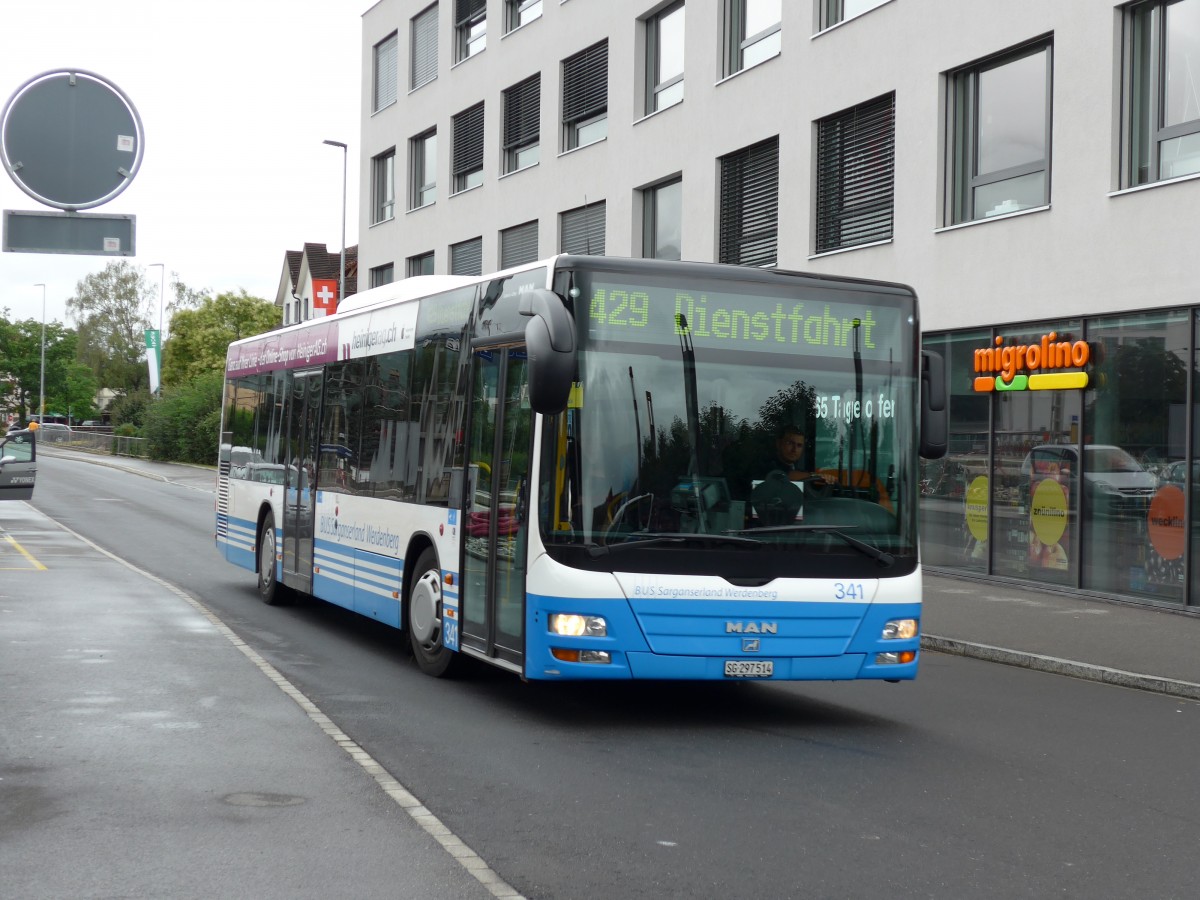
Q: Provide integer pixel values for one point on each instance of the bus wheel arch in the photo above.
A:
(423, 611)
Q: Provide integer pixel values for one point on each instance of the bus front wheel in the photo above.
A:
(424, 614)
(269, 587)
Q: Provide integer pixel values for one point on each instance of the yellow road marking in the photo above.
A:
(25, 553)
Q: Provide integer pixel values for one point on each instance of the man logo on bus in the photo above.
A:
(752, 628)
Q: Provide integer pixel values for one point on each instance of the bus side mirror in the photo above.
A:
(934, 415)
(550, 344)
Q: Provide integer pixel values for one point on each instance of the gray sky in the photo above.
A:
(235, 97)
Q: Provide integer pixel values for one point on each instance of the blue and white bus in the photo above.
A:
(568, 469)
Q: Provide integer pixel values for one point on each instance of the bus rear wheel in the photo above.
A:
(269, 588)
(426, 629)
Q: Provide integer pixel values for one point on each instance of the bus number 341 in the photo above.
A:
(850, 591)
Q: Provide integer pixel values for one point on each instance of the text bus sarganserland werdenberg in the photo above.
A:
(570, 469)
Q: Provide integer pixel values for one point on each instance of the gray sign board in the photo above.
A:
(87, 234)
(70, 139)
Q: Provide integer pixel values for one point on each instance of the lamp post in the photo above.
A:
(42, 387)
(342, 258)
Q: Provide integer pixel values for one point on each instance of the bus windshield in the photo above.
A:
(772, 414)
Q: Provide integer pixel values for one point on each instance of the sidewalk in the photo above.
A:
(144, 754)
(1111, 641)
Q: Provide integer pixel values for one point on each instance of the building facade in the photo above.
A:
(1030, 168)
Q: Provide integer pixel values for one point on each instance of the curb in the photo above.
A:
(1086, 671)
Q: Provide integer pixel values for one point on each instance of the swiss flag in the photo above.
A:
(325, 295)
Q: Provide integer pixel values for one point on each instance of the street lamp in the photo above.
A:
(342, 260)
(42, 388)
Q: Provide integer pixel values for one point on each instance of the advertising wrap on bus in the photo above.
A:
(726, 490)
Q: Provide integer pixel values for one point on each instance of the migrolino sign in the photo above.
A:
(1032, 367)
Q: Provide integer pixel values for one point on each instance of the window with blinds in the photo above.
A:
(385, 73)
(581, 231)
(466, 258)
(522, 123)
(519, 245)
(467, 151)
(749, 232)
(423, 58)
(585, 96)
(470, 28)
(856, 166)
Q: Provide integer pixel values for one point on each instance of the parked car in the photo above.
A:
(1174, 473)
(1114, 483)
(54, 433)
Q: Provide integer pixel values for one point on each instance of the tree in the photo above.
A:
(21, 365)
(200, 337)
(112, 309)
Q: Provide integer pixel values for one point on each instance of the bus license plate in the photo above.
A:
(749, 668)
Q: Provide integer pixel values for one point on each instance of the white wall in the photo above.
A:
(1090, 252)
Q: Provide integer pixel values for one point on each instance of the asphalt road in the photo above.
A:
(977, 780)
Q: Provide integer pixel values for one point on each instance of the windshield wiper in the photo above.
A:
(649, 538)
(839, 531)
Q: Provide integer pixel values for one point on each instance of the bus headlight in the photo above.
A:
(573, 625)
(900, 630)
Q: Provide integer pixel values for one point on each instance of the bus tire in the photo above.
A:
(423, 617)
(269, 588)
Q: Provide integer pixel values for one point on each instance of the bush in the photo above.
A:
(183, 424)
(129, 410)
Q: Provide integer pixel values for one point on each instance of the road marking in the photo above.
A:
(450, 842)
(25, 553)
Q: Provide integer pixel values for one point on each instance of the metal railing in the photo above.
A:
(92, 440)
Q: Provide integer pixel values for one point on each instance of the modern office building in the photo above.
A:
(1032, 169)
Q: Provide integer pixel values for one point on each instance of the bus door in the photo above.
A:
(300, 506)
(496, 505)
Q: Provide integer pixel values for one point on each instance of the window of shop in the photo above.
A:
(1035, 495)
(1135, 427)
(955, 494)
